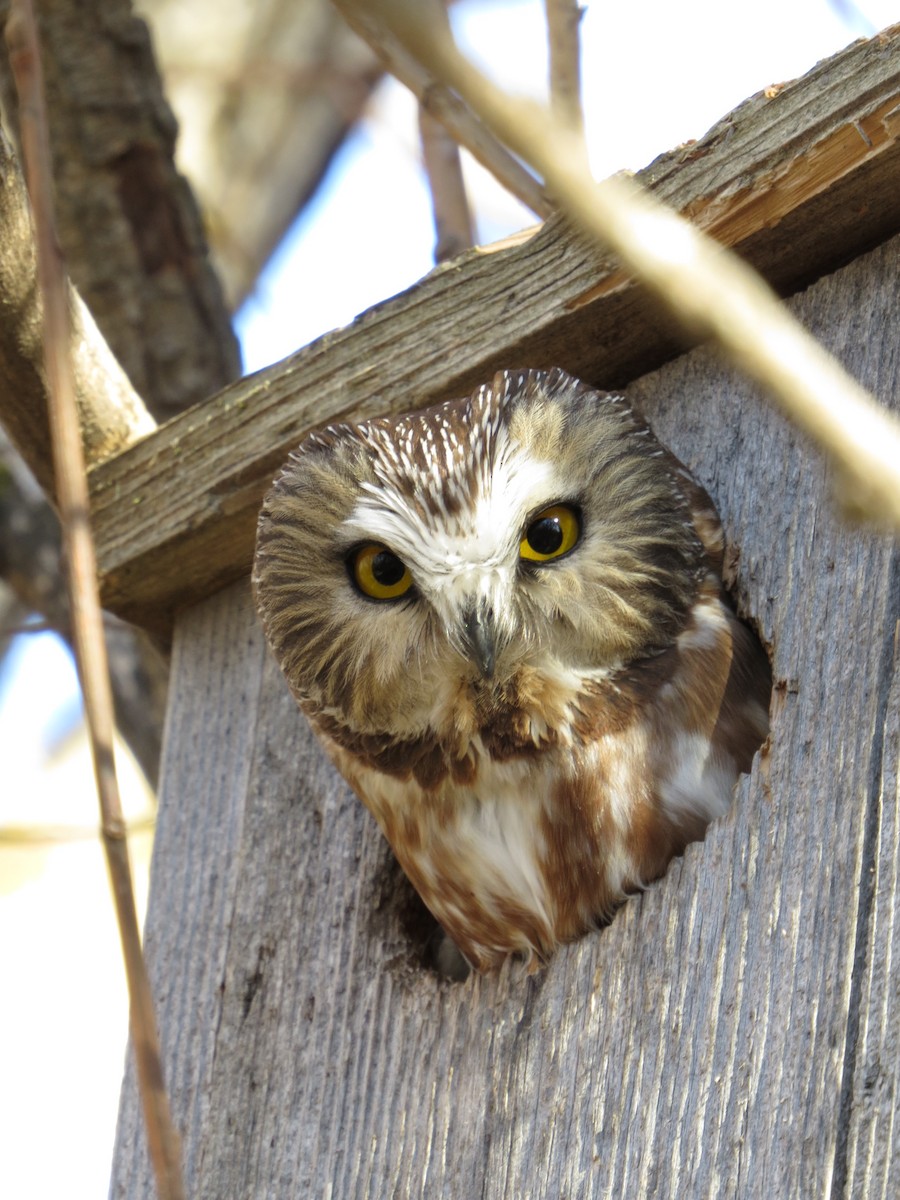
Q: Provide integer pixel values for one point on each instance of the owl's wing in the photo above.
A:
(703, 512)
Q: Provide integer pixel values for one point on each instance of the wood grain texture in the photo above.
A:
(732, 1033)
(871, 1165)
(798, 182)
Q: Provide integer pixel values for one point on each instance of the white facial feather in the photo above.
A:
(473, 555)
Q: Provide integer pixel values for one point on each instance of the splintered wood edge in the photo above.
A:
(800, 179)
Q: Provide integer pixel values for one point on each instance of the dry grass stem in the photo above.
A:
(52, 835)
(705, 286)
(87, 622)
(440, 102)
(563, 22)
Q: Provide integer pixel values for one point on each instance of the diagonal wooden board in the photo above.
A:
(734, 1032)
(798, 180)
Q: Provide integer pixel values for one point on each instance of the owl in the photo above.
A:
(504, 618)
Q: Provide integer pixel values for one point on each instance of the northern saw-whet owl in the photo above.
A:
(504, 618)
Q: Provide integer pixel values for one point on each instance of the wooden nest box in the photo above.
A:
(736, 1030)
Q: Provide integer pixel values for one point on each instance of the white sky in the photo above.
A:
(656, 73)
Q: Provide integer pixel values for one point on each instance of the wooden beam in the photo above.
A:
(799, 179)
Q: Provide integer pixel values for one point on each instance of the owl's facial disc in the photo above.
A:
(535, 528)
(467, 573)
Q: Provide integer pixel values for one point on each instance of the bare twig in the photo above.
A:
(87, 622)
(563, 20)
(704, 286)
(452, 217)
(444, 106)
(440, 154)
(50, 835)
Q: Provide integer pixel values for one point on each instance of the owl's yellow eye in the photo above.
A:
(379, 573)
(551, 534)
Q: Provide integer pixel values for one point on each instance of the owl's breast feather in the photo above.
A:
(534, 830)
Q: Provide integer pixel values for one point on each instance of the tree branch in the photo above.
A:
(271, 98)
(110, 412)
(128, 223)
(452, 217)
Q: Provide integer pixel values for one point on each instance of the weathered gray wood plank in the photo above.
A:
(732, 1033)
(798, 182)
(206, 772)
(873, 1089)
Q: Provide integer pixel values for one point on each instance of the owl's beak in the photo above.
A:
(480, 639)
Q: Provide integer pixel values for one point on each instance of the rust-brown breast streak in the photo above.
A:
(504, 618)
